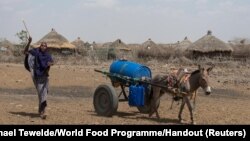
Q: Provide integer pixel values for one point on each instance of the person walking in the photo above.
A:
(39, 63)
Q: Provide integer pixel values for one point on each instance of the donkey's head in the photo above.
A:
(204, 80)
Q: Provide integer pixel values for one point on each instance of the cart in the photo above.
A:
(123, 73)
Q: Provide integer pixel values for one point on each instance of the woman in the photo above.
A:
(39, 62)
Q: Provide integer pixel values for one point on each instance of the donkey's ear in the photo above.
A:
(210, 68)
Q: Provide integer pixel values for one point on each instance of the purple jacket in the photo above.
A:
(41, 61)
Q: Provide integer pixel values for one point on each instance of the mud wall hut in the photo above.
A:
(149, 49)
(209, 46)
(80, 46)
(118, 50)
(184, 44)
(6, 47)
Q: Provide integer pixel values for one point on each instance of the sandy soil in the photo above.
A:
(71, 98)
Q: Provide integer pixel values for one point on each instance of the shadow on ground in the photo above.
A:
(119, 114)
(71, 91)
(83, 91)
(138, 115)
(25, 114)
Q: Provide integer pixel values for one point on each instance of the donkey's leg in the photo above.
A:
(156, 101)
(194, 104)
(153, 102)
(153, 109)
(193, 97)
(156, 108)
(181, 110)
(190, 109)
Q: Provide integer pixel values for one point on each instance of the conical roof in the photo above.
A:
(55, 40)
(149, 43)
(78, 43)
(6, 44)
(185, 43)
(209, 43)
(119, 44)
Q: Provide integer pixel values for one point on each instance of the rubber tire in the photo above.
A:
(105, 100)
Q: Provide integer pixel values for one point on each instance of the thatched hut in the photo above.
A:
(78, 43)
(241, 52)
(184, 44)
(150, 49)
(209, 46)
(239, 41)
(56, 43)
(123, 49)
(80, 46)
(118, 49)
(149, 44)
(115, 44)
(118, 44)
(6, 47)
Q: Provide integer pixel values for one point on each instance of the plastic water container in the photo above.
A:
(130, 69)
(136, 95)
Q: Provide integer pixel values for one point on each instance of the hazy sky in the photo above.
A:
(133, 21)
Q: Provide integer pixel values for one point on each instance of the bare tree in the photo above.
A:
(23, 37)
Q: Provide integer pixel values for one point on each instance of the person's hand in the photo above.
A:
(30, 39)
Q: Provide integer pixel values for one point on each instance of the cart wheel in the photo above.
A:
(146, 108)
(105, 100)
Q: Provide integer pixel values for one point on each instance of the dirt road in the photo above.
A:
(71, 90)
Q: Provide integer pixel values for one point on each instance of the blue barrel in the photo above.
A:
(130, 69)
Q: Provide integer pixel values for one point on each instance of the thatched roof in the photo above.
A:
(6, 44)
(239, 41)
(185, 43)
(78, 43)
(209, 43)
(149, 44)
(241, 51)
(119, 44)
(55, 40)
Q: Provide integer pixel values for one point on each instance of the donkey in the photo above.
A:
(198, 78)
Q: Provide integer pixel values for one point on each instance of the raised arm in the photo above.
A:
(26, 49)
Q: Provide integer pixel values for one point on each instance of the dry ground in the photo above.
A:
(71, 90)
